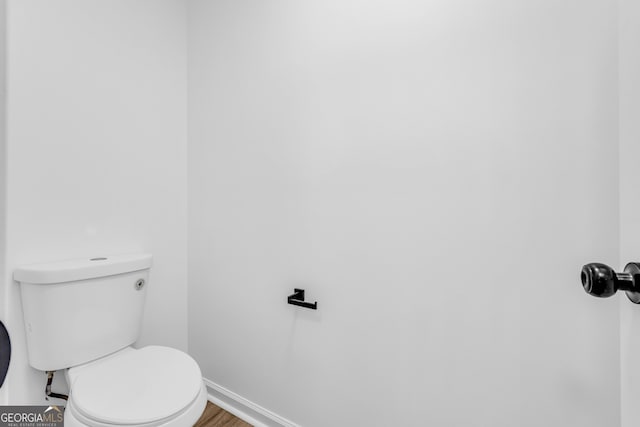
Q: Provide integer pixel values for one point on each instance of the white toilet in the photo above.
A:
(83, 316)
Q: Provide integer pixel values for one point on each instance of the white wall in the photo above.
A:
(434, 174)
(629, 106)
(97, 150)
(3, 130)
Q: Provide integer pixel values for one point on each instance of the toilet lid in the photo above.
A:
(136, 387)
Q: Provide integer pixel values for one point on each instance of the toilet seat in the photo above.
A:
(149, 386)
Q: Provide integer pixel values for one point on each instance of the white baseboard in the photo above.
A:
(243, 408)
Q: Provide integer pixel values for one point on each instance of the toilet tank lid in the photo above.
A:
(81, 269)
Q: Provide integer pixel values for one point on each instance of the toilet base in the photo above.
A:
(186, 418)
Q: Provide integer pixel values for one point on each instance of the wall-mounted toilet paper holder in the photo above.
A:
(602, 281)
(5, 352)
(298, 299)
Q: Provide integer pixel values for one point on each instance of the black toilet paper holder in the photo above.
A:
(298, 299)
(602, 281)
(5, 352)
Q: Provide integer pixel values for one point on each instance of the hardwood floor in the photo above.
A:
(215, 416)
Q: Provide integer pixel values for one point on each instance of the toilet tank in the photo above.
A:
(79, 310)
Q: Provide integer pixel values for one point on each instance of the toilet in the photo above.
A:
(83, 316)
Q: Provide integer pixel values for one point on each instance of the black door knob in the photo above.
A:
(602, 281)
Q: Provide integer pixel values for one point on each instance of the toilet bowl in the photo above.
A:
(98, 303)
(152, 386)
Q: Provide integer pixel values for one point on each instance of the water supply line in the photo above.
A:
(47, 390)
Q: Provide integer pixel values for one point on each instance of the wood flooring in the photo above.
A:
(215, 416)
